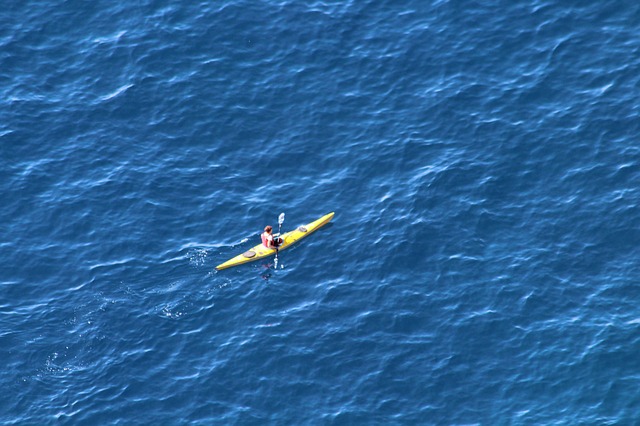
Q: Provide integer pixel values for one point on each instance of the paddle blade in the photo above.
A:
(281, 219)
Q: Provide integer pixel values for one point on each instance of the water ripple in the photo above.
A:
(481, 162)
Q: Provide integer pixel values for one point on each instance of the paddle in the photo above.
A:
(280, 222)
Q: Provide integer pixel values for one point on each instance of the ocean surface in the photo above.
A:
(482, 159)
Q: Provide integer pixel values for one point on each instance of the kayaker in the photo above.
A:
(267, 238)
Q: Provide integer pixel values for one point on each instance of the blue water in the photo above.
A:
(482, 159)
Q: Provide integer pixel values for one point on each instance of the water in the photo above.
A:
(481, 157)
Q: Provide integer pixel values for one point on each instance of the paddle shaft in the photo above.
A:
(280, 222)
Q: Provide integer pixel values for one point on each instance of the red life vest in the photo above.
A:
(265, 239)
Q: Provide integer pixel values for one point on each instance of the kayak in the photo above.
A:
(288, 239)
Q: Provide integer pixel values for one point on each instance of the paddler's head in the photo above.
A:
(268, 229)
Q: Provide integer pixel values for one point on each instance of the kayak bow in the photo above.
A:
(289, 238)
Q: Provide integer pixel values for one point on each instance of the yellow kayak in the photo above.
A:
(289, 238)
